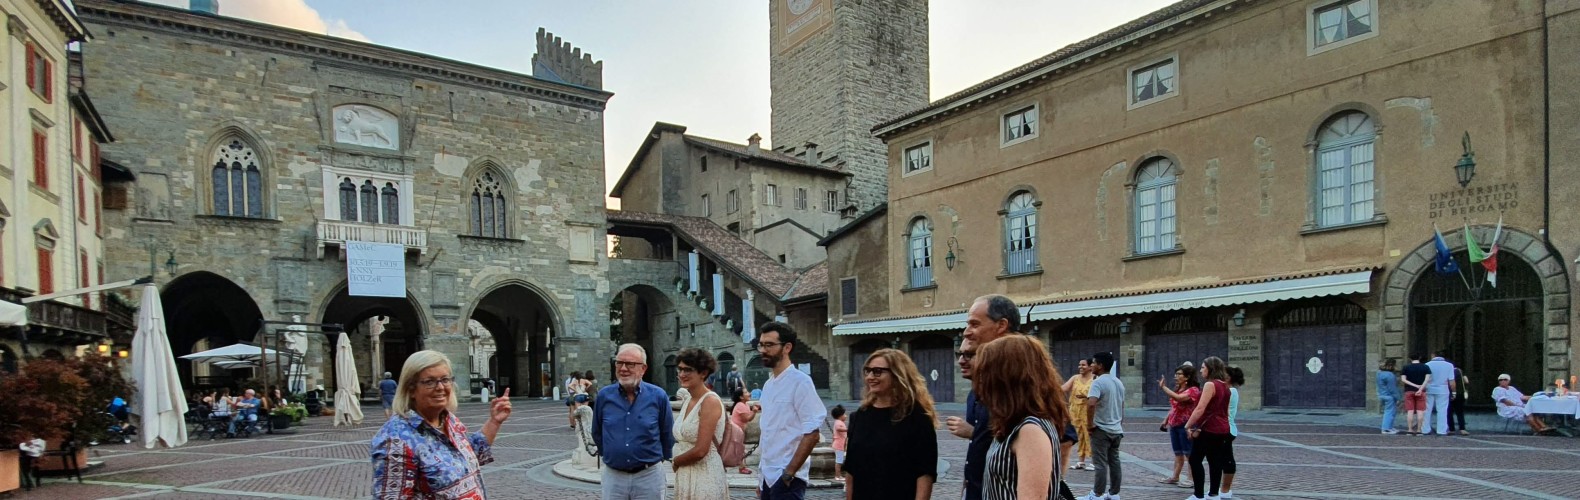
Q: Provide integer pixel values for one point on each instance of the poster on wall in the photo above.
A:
(375, 269)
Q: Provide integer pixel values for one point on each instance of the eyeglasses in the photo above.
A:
(965, 356)
(629, 365)
(768, 345)
(687, 369)
(876, 371)
(431, 383)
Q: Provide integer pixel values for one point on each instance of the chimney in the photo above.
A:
(754, 144)
(809, 153)
(210, 7)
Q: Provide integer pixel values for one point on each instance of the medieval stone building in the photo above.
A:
(262, 153)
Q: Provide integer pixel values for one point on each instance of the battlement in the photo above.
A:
(557, 60)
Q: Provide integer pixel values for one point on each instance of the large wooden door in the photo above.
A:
(935, 357)
(1315, 366)
(1079, 340)
(1189, 336)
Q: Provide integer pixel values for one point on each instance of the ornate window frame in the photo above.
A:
(263, 159)
(1164, 186)
(484, 170)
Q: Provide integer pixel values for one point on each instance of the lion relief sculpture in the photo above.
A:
(365, 126)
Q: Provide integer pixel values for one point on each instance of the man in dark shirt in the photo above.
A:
(1415, 377)
(387, 394)
(632, 427)
(990, 317)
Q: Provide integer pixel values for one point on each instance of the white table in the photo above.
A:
(1568, 406)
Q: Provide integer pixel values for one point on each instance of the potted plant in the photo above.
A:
(42, 401)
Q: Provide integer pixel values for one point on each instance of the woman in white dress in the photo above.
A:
(699, 472)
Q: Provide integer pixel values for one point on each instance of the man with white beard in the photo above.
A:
(632, 427)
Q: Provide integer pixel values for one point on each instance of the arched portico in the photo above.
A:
(523, 321)
(203, 305)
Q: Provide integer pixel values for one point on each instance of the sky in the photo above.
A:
(698, 63)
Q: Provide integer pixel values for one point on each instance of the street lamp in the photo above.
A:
(153, 247)
(1239, 318)
(950, 259)
(1124, 327)
(1465, 170)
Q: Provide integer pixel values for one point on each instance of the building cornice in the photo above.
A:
(342, 52)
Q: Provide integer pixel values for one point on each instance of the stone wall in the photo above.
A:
(868, 65)
(171, 84)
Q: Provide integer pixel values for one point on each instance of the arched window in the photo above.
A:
(1345, 169)
(489, 206)
(1020, 234)
(237, 180)
(920, 247)
(348, 200)
(1154, 211)
(391, 200)
(370, 202)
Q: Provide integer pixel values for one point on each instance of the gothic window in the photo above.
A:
(237, 180)
(348, 200)
(488, 206)
(370, 202)
(920, 248)
(1345, 170)
(1154, 208)
(391, 200)
(1020, 234)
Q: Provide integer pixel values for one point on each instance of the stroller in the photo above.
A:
(121, 429)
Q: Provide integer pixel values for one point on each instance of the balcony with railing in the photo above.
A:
(54, 322)
(338, 233)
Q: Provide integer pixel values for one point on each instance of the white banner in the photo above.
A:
(376, 269)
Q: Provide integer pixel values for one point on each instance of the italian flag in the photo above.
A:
(1489, 259)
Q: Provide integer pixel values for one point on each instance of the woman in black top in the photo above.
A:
(892, 451)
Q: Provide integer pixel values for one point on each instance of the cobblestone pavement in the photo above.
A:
(1284, 457)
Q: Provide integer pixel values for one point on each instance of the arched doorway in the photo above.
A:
(671, 375)
(643, 315)
(935, 358)
(397, 322)
(1076, 340)
(858, 359)
(1172, 339)
(1314, 355)
(1484, 332)
(523, 325)
(203, 305)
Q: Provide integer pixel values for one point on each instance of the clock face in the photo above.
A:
(798, 7)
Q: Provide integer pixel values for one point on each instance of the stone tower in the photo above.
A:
(838, 67)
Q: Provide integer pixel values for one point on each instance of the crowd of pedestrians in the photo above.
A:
(1434, 393)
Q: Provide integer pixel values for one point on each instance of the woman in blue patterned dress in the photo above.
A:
(425, 452)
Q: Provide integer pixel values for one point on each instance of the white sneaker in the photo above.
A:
(1227, 495)
(1092, 496)
(1194, 497)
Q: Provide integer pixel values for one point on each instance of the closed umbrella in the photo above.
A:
(348, 395)
(159, 403)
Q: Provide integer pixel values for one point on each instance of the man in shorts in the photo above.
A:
(1415, 377)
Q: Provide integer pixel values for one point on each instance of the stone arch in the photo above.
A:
(223, 134)
(524, 320)
(486, 184)
(205, 304)
(1339, 109)
(405, 332)
(1516, 244)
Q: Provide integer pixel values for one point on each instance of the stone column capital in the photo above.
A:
(15, 27)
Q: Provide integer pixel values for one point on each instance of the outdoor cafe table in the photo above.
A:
(1566, 406)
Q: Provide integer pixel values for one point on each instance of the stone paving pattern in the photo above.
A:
(1338, 458)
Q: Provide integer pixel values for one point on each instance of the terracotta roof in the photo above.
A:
(812, 283)
(720, 245)
(1068, 53)
(847, 228)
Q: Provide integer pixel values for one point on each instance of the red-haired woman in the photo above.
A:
(1015, 379)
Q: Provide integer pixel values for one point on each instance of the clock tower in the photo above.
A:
(838, 67)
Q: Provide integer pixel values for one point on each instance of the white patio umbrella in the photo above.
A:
(158, 402)
(348, 395)
(12, 314)
(233, 352)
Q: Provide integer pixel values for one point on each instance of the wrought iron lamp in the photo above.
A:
(949, 258)
(1465, 170)
(1124, 327)
(1239, 318)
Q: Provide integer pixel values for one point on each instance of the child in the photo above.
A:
(838, 413)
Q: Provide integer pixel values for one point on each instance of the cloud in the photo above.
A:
(295, 14)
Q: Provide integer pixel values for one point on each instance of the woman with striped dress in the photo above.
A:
(1015, 379)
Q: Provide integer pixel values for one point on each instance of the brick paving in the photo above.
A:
(1286, 456)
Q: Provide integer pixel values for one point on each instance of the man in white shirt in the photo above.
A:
(791, 417)
(1511, 404)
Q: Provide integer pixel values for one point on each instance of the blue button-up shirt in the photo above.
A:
(630, 434)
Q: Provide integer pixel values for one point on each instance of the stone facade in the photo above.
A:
(445, 136)
(838, 67)
(1238, 133)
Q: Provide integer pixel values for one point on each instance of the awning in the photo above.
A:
(947, 322)
(1248, 293)
(12, 314)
